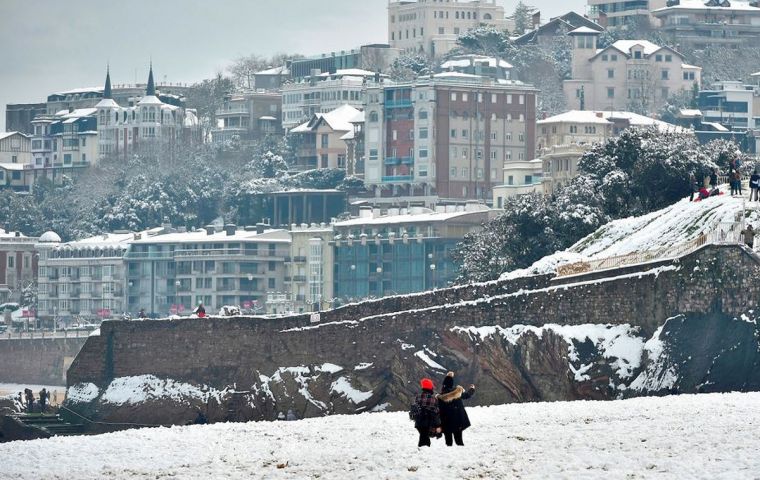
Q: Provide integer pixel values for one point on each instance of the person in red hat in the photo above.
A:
(427, 420)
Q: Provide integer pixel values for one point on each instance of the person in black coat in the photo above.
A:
(454, 419)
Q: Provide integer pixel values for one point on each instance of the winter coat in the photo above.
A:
(754, 181)
(453, 415)
(429, 416)
(713, 180)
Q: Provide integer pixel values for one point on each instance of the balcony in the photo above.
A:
(299, 259)
(400, 103)
(397, 178)
(232, 110)
(299, 278)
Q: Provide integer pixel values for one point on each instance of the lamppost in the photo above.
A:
(379, 271)
(250, 289)
(354, 288)
(432, 272)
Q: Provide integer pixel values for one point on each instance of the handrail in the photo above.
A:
(724, 233)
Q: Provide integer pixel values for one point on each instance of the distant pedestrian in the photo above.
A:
(29, 400)
(43, 399)
(693, 186)
(754, 186)
(454, 419)
(749, 236)
(732, 183)
(55, 397)
(425, 413)
(713, 179)
(142, 314)
(200, 419)
(200, 311)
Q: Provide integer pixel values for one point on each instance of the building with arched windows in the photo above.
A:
(154, 120)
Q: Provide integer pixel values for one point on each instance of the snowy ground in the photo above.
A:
(689, 436)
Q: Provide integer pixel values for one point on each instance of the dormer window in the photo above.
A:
(637, 54)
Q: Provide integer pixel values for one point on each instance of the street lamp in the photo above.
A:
(432, 273)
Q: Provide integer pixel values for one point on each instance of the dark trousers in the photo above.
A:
(457, 434)
(424, 437)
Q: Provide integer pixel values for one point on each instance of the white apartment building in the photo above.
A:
(520, 178)
(84, 278)
(731, 104)
(309, 283)
(609, 13)
(432, 26)
(634, 75)
(699, 23)
(323, 93)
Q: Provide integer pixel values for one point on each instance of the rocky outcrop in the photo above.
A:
(638, 333)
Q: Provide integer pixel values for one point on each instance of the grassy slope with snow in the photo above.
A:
(688, 436)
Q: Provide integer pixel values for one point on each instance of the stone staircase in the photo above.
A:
(51, 423)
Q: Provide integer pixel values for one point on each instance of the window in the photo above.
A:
(11, 261)
(464, 133)
(422, 114)
(604, 58)
(270, 283)
(373, 117)
(423, 133)
(508, 155)
(441, 31)
(494, 98)
(637, 54)
(668, 58)
(373, 154)
(493, 155)
(521, 99)
(453, 133)
(664, 74)
(479, 173)
(610, 92)
(453, 96)
(394, 134)
(658, 58)
(494, 174)
(464, 97)
(509, 98)
(613, 57)
(453, 172)
(67, 159)
(573, 128)
(521, 137)
(465, 172)
(610, 73)
(665, 92)
(510, 180)
(423, 153)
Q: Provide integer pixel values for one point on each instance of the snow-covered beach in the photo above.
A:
(688, 436)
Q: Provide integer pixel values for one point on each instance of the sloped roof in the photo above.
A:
(625, 46)
(463, 61)
(729, 6)
(8, 134)
(607, 117)
(338, 119)
(569, 21)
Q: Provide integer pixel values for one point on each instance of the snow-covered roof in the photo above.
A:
(425, 216)
(350, 72)
(688, 112)
(200, 236)
(4, 135)
(686, 66)
(4, 234)
(268, 118)
(150, 100)
(608, 117)
(50, 237)
(338, 119)
(464, 61)
(107, 103)
(12, 166)
(583, 29)
(727, 6)
(456, 75)
(625, 46)
(80, 90)
(716, 126)
(756, 74)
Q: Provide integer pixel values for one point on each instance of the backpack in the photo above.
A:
(415, 412)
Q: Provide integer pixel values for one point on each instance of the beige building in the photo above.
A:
(432, 26)
(634, 75)
(563, 138)
(248, 116)
(18, 265)
(520, 178)
(699, 23)
(15, 155)
(322, 142)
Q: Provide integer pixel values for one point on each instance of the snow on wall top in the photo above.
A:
(673, 225)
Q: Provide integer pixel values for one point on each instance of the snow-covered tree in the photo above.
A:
(485, 40)
(268, 165)
(409, 66)
(522, 18)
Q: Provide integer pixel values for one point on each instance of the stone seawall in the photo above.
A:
(41, 361)
(517, 344)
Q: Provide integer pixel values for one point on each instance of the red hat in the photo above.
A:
(426, 384)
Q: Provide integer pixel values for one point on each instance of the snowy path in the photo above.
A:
(694, 436)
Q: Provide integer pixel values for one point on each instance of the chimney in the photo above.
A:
(230, 229)
(209, 229)
(536, 20)
(602, 20)
(599, 115)
(18, 234)
(365, 212)
(71, 109)
(260, 228)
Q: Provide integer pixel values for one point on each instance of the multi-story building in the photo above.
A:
(321, 140)
(731, 104)
(324, 92)
(309, 273)
(402, 251)
(614, 14)
(634, 75)
(15, 154)
(479, 65)
(374, 57)
(249, 117)
(695, 24)
(520, 178)
(151, 122)
(19, 116)
(122, 94)
(63, 144)
(563, 138)
(174, 272)
(448, 136)
(271, 79)
(432, 26)
(82, 279)
(18, 265)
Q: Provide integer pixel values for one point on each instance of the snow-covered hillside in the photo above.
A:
(687, 436)
(672, 226)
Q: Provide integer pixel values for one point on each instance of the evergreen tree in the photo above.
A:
(522, 18)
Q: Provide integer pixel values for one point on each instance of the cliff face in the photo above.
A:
(683, 327)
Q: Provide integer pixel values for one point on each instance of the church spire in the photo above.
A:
(107, 89)
(151, 84)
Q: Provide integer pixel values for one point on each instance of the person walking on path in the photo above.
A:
(749, 236)
(43, 399)
(454, 419)
(754, 187)
(425, 412)
(713, 179)
(29, 400)
(693, 186)
(200, 311)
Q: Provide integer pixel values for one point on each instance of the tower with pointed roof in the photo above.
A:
(151, 90)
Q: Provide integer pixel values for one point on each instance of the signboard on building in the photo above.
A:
(314, 317)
